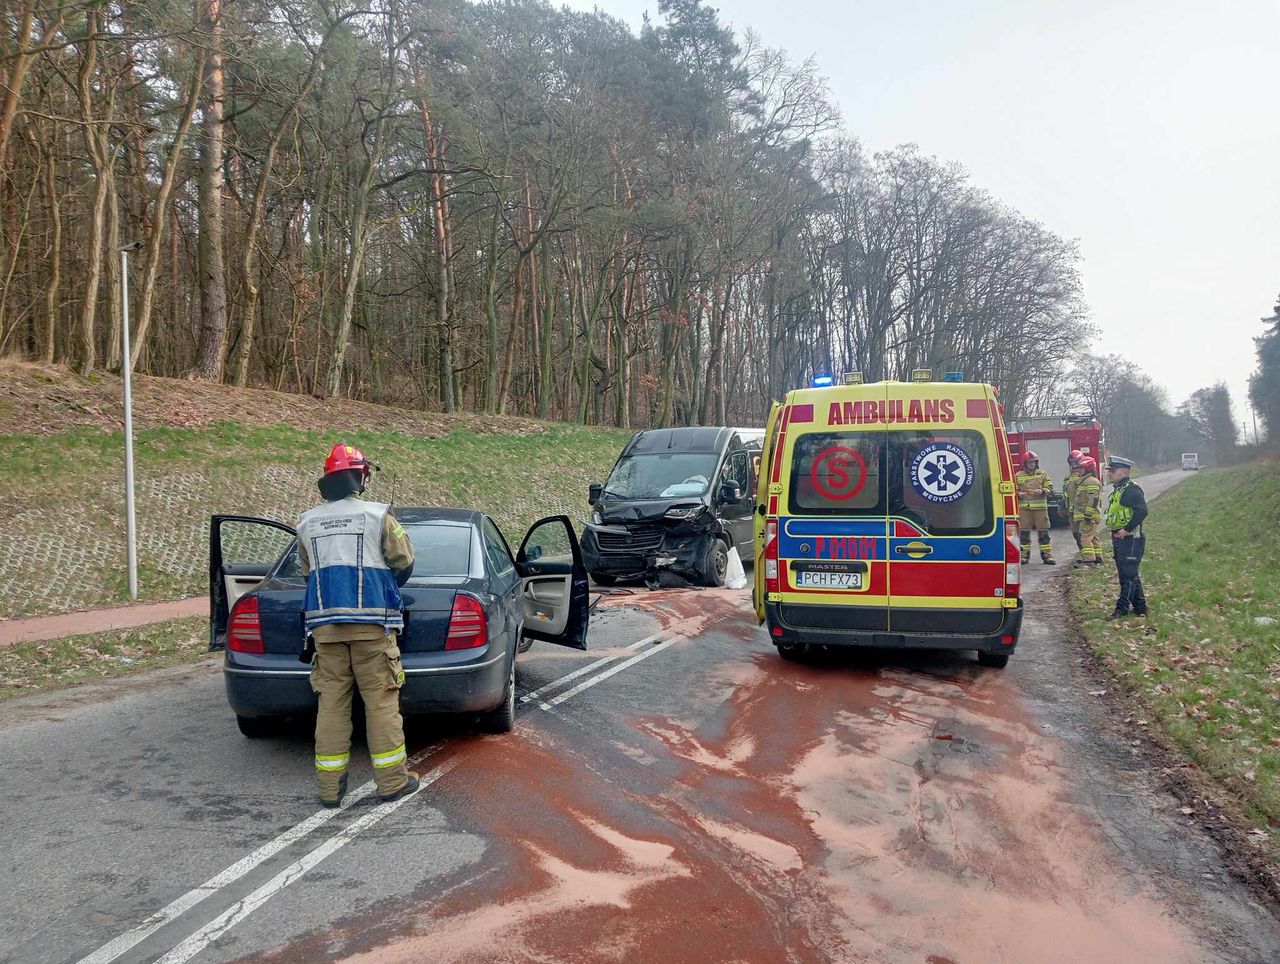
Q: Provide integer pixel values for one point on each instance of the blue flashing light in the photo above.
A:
(953, 377)
(822, 381)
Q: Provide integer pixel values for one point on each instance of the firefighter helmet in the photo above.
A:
(1075, 456)
(1088, 464)
(346, 471)
(1029, 457)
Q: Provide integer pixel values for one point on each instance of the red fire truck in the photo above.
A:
(1052, 438)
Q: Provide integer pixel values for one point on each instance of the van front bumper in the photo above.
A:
(944, 634)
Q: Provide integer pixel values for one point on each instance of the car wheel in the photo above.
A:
(715, 566)
(603, 579)
(256, 727)
(994, 660)
(502, 718)
(795, 652)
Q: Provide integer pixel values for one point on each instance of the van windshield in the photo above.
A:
(658, 476)
(938, 480)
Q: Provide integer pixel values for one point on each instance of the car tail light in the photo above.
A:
(244, 629)
(468, 625)
(1012, 560)
(771, 556)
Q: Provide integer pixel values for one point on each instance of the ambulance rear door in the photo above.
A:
(833, 529)
(764, 472)
(946, 545)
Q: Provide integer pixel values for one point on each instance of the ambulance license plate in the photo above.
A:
(808, 579)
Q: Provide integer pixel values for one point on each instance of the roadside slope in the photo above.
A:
(202, 449)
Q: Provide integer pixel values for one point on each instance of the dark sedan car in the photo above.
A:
(469, 608)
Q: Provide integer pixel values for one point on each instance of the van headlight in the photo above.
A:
(683, 512)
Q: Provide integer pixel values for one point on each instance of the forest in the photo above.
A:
(501, 207)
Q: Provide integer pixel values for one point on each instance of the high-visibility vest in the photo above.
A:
(1118, 515)
(349, 581)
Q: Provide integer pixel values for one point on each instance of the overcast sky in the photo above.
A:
(1149, 130)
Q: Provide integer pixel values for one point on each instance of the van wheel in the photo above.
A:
(502, 718)
(994, 660)
(715, 565)
(603, 579)
(795, 652)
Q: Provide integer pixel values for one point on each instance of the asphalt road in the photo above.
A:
(678, 793)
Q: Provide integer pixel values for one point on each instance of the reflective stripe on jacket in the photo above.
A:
(349, 581)
(1034, 489)
(1086, 505)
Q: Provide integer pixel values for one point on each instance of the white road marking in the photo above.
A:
(118, 946)
(228, 919)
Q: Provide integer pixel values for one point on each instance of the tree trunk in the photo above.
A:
(211, 270)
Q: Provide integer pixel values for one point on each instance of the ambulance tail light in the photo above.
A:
(468, 625)
(244, 629)
(771, 581)
(1012, 560)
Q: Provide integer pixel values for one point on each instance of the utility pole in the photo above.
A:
(131, 520)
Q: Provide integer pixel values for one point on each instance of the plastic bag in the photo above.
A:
(735, 577)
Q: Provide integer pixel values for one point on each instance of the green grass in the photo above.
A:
(62, 504)
(1205, 668)
(33, 667)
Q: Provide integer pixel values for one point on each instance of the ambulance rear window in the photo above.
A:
(837, 473)
(941, 481)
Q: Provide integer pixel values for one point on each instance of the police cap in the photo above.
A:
(1115, 462)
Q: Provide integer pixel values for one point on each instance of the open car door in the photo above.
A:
(242, 550)
(553, 583)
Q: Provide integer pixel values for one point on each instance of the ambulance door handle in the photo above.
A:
(913, 550)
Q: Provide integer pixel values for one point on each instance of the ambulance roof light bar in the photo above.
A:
(922, 375)
(822, 381)
(851, 378)
(953, 377)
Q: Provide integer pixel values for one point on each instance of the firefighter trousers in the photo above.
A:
(373, 665)
(1089, 540)
(1037, 519)
(1129, 552)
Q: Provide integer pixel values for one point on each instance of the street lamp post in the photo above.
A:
(131, 520)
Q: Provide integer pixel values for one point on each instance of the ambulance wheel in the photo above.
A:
(795, 652)
(994, 660)
(256, 727)
(715, 564)
(603, 579)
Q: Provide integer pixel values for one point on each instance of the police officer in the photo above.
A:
(1069, 493)
(1126, 511)
(1034, 489)
(1086, 512)
(355, 556)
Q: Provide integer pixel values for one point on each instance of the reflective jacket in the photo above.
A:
(1127, 508)
(1034, 489)
(349, 580)
(1086, 504)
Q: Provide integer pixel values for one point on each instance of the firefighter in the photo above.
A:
(1069, 493)
(355, 556)
(1086, 512)
(1034, 489)
(1126, 511)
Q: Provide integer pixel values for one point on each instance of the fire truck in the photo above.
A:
(1052, 438)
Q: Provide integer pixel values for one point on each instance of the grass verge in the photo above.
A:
(1205, 665)
(37, 666)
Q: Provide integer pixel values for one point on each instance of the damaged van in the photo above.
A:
(677, 501)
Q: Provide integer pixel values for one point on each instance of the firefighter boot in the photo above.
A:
(1024, 538)
(1046, 549)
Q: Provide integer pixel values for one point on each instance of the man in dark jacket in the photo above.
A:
(1126, 511)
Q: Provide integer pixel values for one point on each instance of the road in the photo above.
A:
(678, 793)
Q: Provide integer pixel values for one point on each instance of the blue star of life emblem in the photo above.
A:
(942, 472)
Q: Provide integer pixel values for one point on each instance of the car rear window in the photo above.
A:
(439, 549)
(837, 473)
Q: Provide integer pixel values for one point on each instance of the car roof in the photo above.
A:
(670, 440)
(415, 515)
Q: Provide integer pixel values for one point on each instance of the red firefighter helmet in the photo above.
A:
(343, 457)
(1029, 457)
(1088, 464)
(1075, 457)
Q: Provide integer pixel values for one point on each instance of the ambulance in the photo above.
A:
(886, 517)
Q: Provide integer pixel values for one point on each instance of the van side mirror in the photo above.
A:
(594, 491)
(731, 491)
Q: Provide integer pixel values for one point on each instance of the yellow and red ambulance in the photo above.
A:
(886, 517)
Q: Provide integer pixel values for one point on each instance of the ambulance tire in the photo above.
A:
(715, 564)
(994, 660)
(256, 727)
(795, 652)
(603, 579)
